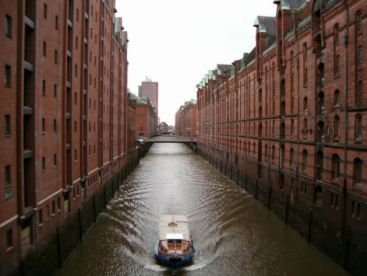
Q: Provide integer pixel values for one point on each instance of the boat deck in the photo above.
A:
(174, 227)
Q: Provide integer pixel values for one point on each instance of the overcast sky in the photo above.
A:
(175, 42)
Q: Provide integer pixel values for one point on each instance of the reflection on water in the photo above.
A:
(233, 234)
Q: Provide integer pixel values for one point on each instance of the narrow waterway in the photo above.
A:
(233, 233)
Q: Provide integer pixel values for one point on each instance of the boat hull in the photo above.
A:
(174, 261)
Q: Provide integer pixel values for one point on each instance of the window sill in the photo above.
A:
(8, 195)
(355, 217)
(9, 249)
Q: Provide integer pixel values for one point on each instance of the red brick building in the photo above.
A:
(146, 119)
(132, 149)
(163, 128)
(287, 120)
(186, 119)
(63, 106)
(131, 121)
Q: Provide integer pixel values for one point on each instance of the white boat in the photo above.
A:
(175, 246)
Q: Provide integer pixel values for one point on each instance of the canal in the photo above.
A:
(233, 233)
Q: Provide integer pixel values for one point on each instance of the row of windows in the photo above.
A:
(335, 166)
(355, 207)
(49, 211)
(54, 162)
(43, 126)
(45, 15)
(358, 127)
(44, 52)
(7, 126)
(8, 28)
(44, 89)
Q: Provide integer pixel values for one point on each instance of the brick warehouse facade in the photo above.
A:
(287, 122)
(186, 120)
(63, 107)
(146, 120)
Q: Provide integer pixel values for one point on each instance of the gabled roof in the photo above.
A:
(132, 96)
(292, 4)
(266, 24)
(248, 57)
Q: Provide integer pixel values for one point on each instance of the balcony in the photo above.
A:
(28, 111)
(27, 154)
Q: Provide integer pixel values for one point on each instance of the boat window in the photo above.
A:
(174, 241)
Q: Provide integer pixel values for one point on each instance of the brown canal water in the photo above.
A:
(233, 233)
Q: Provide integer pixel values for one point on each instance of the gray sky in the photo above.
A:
(175, 42)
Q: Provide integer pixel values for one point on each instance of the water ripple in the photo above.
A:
(233, 234)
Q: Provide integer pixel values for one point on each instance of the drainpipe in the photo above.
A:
(344, 216)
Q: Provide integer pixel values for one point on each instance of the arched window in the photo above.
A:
(336, 97)
(305, 128)
(305, 64)
(291, 156)
(305, 103)
(335, 167)
(336, 127)
(359, 93)
(318, 194)
(292, 126)
(359, 23)
(260, 130)
(321, 101)
(281, 182)
(266, 153)
(357, 170)
(282, 131)
(358, 128)
(282, 88)
(260, 96)
(336, 34)
(321, 68)
(304, 52)
(320, 131)
(319, 165)
(273, 154)
(336, 65)
(304, 160)
(282, 108)
(360, 55)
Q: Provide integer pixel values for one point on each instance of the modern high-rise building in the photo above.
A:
(149, 89)
(63, 111)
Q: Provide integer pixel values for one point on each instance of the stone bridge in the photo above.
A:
(170, 139)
